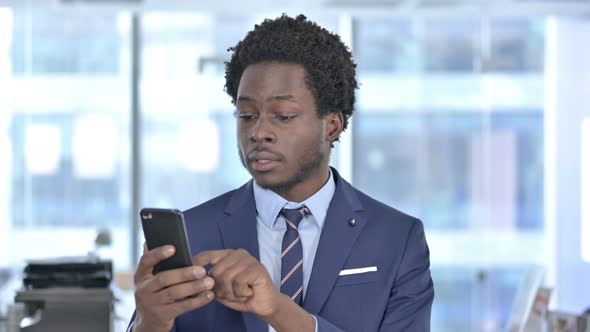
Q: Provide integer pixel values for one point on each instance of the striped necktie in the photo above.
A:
(292, 255)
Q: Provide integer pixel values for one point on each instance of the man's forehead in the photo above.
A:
(274, 68)
(276, 81)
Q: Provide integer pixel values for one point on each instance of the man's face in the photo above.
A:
(283, 142)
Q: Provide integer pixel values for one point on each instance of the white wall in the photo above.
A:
(567, 104)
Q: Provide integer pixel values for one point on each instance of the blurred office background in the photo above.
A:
(472, 115)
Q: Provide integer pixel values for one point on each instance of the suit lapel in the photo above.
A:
(336, 241)
(238, 230)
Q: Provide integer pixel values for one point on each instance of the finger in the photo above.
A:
(235, 272)
(172, 277)
(238, 305)
(147, 262)
(236, 260)
(210, 257)
(243, 281)
(224, 285)
(145, 248)
(184, 290)
(191, 303)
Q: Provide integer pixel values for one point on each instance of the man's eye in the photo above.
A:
(285, 118)
(245, 117)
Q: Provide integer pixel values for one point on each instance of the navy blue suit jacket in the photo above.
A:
(397, 297)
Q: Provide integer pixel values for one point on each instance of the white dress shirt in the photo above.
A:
(271, 228)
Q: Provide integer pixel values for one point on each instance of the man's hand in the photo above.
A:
(161, 298)
(241, 282)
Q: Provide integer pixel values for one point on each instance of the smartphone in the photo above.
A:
(162, 227)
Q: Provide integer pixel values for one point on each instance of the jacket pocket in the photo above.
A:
(357, 279)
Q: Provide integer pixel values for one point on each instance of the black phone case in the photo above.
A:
(166, 226)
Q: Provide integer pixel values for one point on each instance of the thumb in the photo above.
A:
(211, 257)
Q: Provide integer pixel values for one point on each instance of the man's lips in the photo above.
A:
(263, 165)
(262, 161)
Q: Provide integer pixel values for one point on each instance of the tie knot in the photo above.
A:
(294, 216)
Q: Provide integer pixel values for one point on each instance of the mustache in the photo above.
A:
(256, 149)
(261, 149)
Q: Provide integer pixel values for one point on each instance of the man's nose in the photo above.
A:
(262, 132)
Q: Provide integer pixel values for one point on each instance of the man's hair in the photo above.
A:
(330, 69)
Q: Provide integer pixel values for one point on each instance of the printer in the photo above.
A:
(66, 294)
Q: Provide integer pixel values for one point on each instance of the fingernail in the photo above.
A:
(210, 295)
(169, 251)
(199, 272)
(208, 282)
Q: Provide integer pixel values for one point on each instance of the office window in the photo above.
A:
(57, 42)
(451, 45)
(435, 164)
(517, 45)
(386, 46)
(69, 171)
(68, 133)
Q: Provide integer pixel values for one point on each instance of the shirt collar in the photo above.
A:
(269, 203)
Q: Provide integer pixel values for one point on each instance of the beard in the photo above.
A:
(306, 166)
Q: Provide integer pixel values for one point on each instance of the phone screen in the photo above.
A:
(166, 227)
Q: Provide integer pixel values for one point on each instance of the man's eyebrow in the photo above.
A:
(281, 97)
(245, 98)
(269, 99)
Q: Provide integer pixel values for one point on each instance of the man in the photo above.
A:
(297, 248)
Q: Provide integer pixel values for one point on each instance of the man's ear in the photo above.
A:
(334, 125)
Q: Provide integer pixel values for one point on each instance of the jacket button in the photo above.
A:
(352, 222)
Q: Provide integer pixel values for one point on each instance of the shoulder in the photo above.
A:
(382, 216)
(378, 214)
(211, 206)
(202, 221)
(215, 206)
